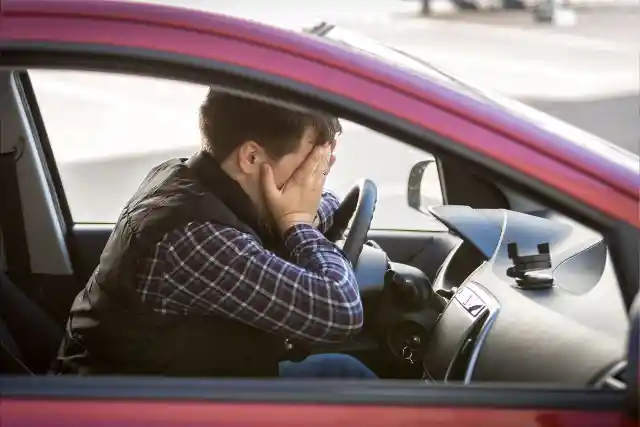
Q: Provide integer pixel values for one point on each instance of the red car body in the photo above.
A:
(590, 174)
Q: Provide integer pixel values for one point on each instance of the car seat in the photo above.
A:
(29, 337)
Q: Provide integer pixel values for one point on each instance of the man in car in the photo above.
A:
(218, 259)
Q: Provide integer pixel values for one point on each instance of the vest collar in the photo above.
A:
(211, 175)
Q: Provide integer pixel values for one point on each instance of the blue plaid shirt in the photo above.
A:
(208, 268)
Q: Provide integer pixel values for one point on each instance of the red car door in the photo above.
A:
(48, 400)
(156, 402)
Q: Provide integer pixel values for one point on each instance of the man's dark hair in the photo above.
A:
(227, 121)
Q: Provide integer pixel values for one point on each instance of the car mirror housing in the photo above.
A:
(423, 186)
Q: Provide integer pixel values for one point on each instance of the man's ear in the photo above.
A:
(250, 156)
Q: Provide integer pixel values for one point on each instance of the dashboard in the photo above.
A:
(520, 299)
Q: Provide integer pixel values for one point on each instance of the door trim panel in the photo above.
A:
(313, 390)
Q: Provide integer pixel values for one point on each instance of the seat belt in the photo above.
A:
(11, 361)
(14, 237)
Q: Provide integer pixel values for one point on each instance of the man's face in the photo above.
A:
(249, 158)
(284, 168)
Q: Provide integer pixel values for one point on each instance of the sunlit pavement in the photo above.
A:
(586, 74)
(107, 131)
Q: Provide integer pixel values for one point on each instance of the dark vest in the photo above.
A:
(110, 331)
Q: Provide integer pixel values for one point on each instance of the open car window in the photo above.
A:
(114, 128)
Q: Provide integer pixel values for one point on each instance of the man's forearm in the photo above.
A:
(333, 279)
(311, 297)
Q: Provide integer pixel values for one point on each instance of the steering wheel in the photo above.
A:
(359, 204)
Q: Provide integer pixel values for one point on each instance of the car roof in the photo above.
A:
(577, 150)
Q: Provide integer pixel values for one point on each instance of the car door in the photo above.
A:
(91, 401)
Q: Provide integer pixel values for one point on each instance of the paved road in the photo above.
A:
(107, 131)
(586, 75)
(601, 55)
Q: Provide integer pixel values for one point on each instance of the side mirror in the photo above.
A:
(423, 186)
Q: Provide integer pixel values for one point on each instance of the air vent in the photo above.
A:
(614, 379)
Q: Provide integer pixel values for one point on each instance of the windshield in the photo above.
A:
(423, 68)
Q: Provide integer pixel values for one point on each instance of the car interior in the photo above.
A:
(508, 290)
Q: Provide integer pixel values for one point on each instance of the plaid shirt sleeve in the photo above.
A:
(207, 268)
(328, 205)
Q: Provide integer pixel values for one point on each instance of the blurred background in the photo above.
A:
(582, 68)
